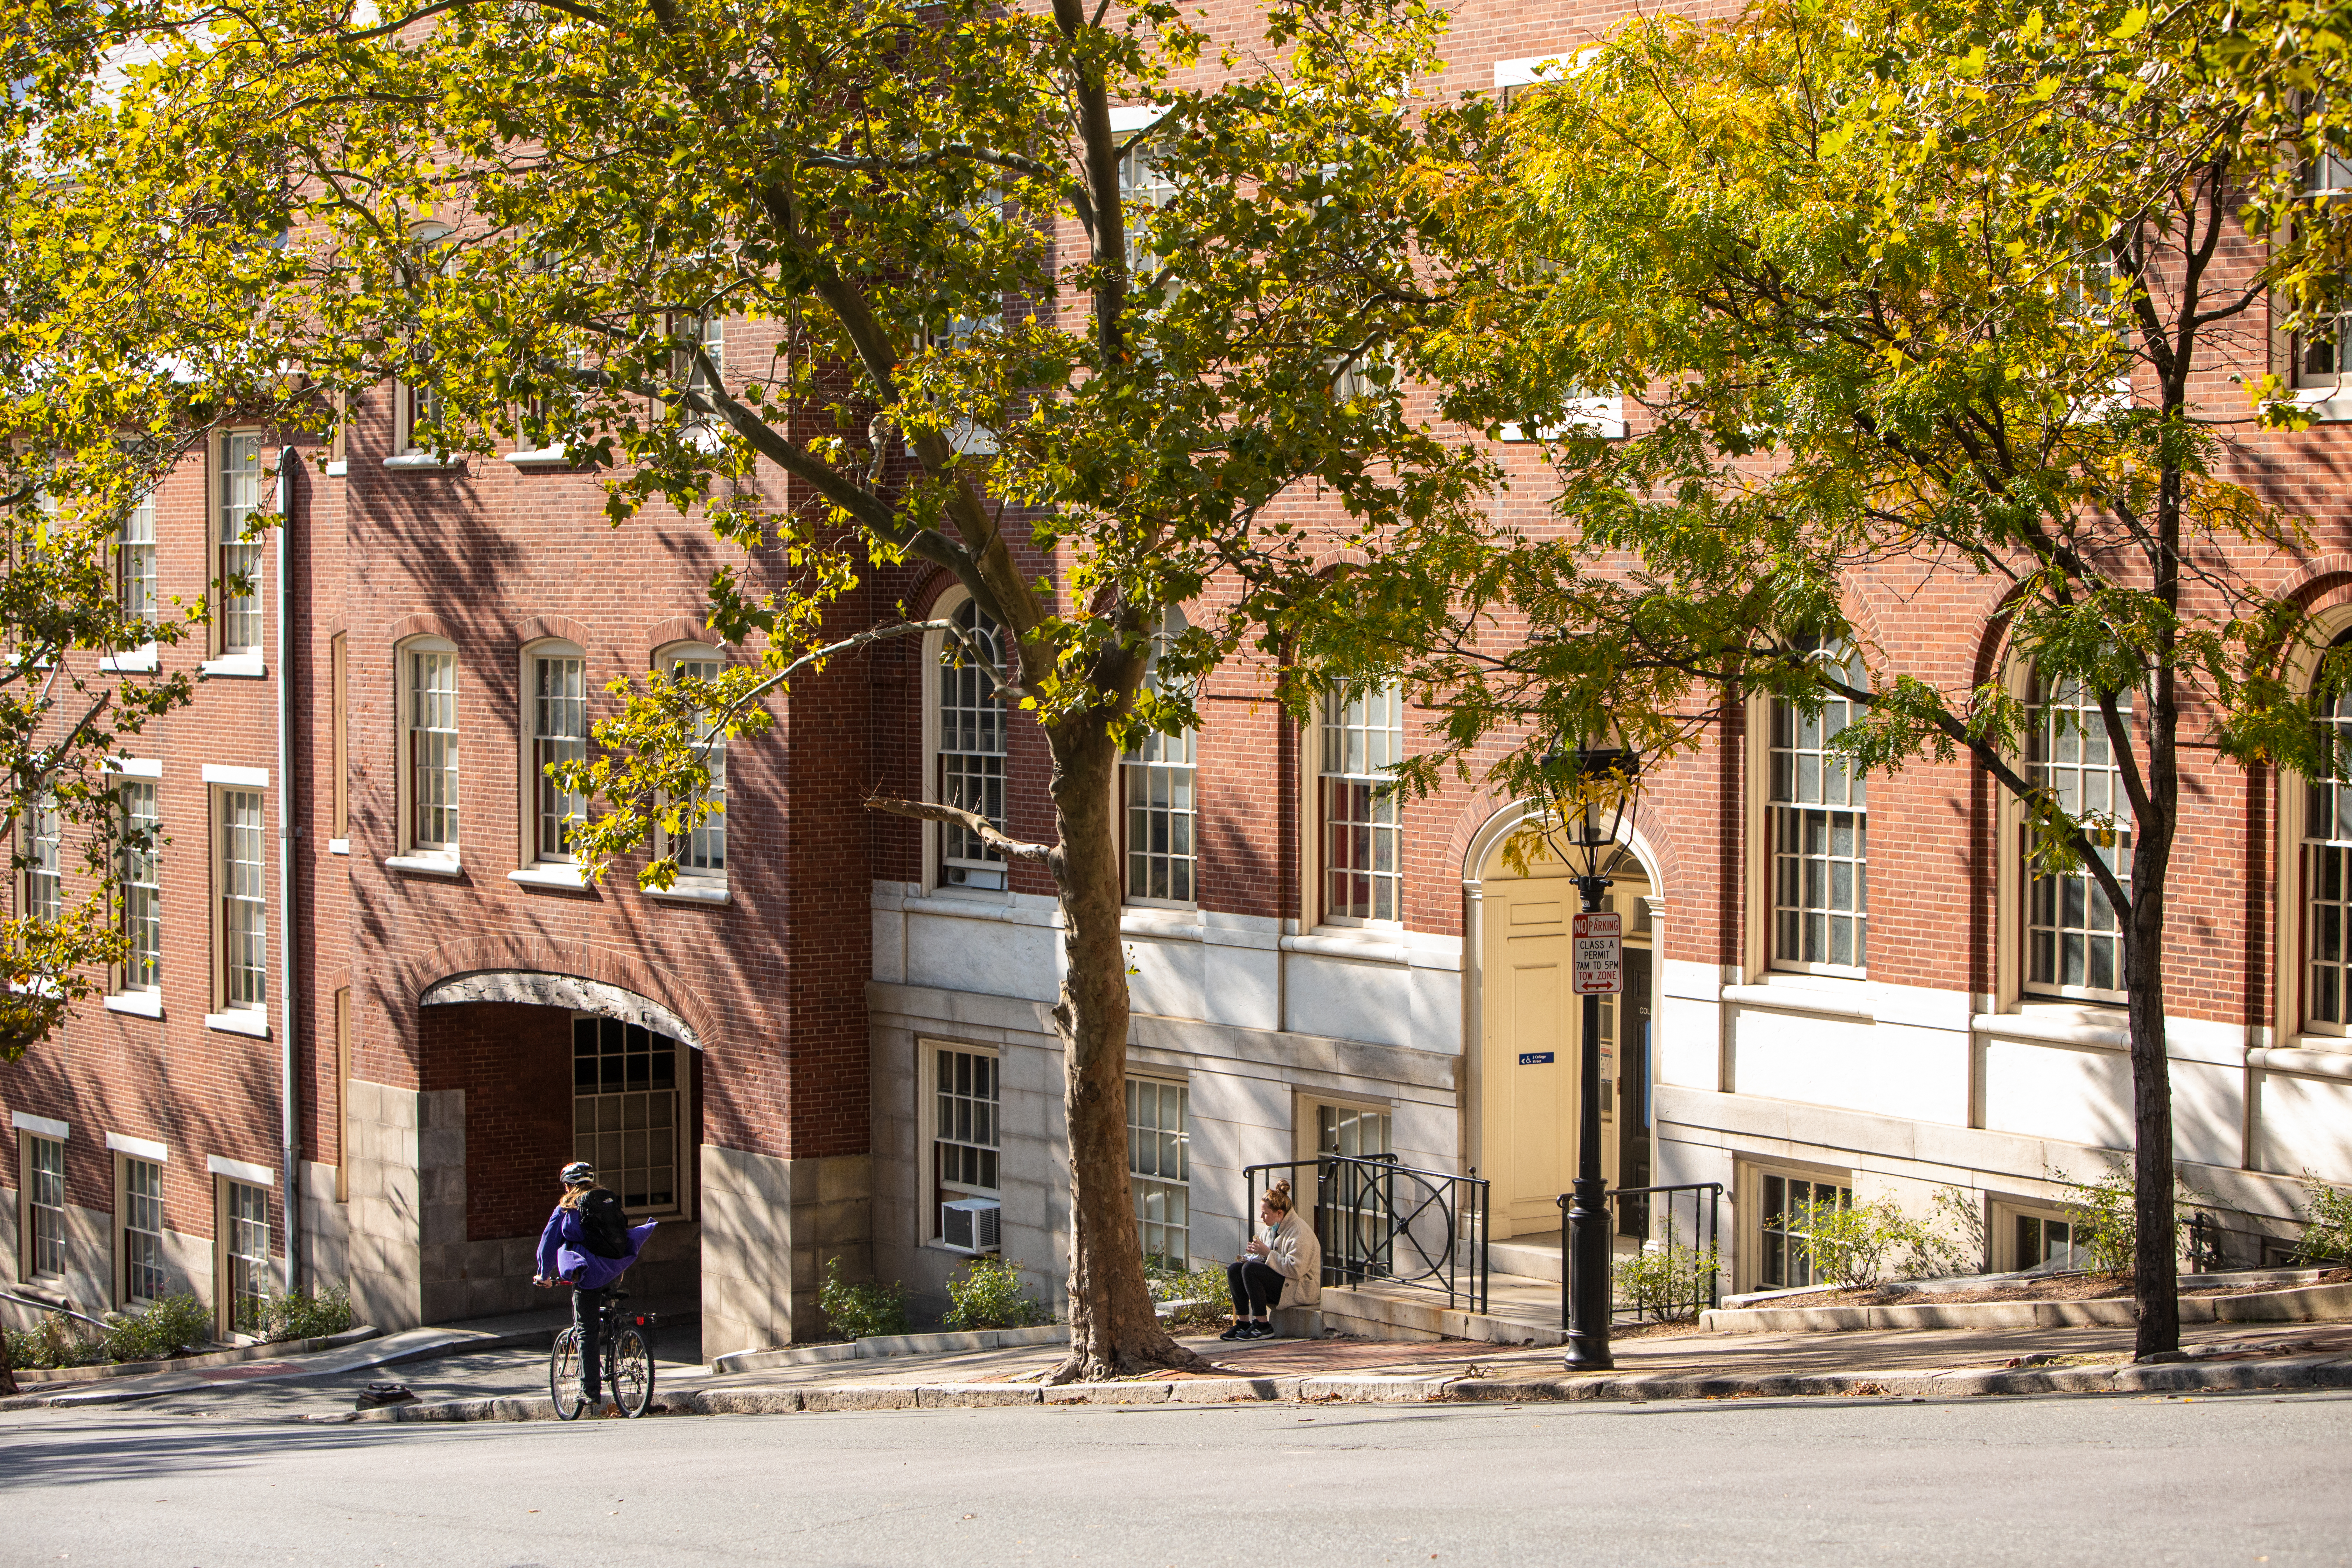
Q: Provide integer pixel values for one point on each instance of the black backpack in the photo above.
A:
(603, 1224)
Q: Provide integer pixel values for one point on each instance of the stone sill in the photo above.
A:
(688, 892)
(423, 865)
(235, 667)
(563, 879)
(138, 1004)
(1813, 1000)
(249, 1020)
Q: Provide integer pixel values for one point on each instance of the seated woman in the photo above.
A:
(1282, 1267)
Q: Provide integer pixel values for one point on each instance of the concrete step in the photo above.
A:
(1529, 1257)
(1519, 1311)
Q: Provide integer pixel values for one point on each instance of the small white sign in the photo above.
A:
(1599, 943)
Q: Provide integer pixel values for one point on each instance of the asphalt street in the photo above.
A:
(2224, 1479)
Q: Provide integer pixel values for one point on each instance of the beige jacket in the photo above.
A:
(1292, 1251)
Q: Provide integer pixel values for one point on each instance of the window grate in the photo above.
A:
(624, 1109)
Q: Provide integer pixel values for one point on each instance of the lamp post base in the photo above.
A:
(1588, 1278)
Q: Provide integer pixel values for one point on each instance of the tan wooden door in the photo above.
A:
(1527, 1103)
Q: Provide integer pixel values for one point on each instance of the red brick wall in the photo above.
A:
(514, 1062)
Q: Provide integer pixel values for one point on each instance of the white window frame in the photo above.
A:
(2008, 1258)
(595, 1144)
(706, 663)
(2046, 761)
(240, 1274)
(1332, 724)
(136, 583)
(965, 691)
(41, 886)
(540, 793)
(2307, 808)
(141, 972)
(937, 1133)
(417, 404)
(235, 498)
(128, 1204)
(1160, 804)
(1754, 1187)
(1152, 1149)
(232, 906)
(29, 1188)
(412, 774)
(1774, 814)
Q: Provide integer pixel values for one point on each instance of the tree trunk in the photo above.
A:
(7, 1372)
(1113, 1329)
(2156, 1264)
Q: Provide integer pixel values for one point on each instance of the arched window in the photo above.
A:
(555, 699)
(2074, 944)
(1819, 835)
(1156, 780)
(1360, 841)
(428, 750)
(2327, 877)
(971, 751)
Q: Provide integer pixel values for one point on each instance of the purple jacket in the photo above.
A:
(563, 1253)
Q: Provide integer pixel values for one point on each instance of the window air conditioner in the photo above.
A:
(969, 1224)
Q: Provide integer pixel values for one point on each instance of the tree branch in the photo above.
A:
(969, 821)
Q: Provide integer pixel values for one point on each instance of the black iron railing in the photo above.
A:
(1386, 1223)
(1670, 1278)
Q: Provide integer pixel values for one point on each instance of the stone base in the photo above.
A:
(770, 1225)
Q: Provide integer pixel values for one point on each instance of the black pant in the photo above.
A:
(588, 1317)
(1257, 1288)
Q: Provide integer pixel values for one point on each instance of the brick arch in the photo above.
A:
(2317, 578)
(539, 628)
(608, 966)
(1493, 799)
(676, 629)
(420, 624)
(933, 586)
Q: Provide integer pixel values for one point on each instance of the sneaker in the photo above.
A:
(1259, 1331)
(1240, 1331)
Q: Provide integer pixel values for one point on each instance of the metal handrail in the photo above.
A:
(1379, 1219)
(2209, 1244)
(1706, 1278)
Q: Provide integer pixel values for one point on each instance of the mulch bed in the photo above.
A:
(2060, 1287)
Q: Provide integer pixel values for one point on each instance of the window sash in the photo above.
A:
(45, 1205)
(1159, 1164)
(135, 562)
(2328, 879)
(244, 908)
(628, 1110)
(245, 1244)
(45, 876)
(433, 751)
(1361, 846)
(240, 498)
(2074, 942)
(972, 743)
(559, 734)
(702, 852)
(1784, 1258)
(142, 897)
(142, 1229)
(966, 1131)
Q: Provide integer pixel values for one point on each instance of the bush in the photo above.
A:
(861, 1312)
(2106, 1224)
(1203, 1288)
(172, 1325)
(1857, 1245)
(2327, 1212)
(59, 1341)
(1669, 1281)
(990, 1295)
(306, 1315)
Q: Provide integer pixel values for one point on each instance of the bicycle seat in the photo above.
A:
(615, 1294)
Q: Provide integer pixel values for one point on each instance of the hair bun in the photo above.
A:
(1278, 1195)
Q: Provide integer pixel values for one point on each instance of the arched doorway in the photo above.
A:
(1527, 1034)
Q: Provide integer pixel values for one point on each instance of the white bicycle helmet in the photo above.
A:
(576, 1174)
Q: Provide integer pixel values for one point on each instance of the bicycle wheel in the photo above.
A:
(633, 1372)
(563, 1376)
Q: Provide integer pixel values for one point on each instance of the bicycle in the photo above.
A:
(628, 1361)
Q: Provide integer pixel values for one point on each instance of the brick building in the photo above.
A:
(378, 1005)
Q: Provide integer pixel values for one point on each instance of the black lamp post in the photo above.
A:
(1593, 792)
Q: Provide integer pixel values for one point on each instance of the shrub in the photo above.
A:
(1203, 1289)
(172, 1325)
(2327, 1211)
(1858, 1245)
(989, 1295)
(1669, 1281)
(57, 1340)
(307, 1315)
(2106, 1224)
(864, 1310)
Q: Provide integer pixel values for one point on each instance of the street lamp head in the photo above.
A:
(1591, 792)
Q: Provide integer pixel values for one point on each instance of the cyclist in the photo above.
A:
(588, 1244)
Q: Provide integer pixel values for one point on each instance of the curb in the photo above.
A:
(947, 1342)
(2176, 1377)
(32, 1382)
(2303, 1304)
(392, 1354)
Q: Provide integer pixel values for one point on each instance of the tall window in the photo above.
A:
(963, 1128)
(44, 1206)
(1363, 872)
(338, 679)
(134, 561)
(245, 1253)
(559, 734)
(702, 852)
(417, 398)
(1350, 1217)
(1157, 780)
(972, 752)
(244, 923)
(143, 900)
(431, 756)
(2074, 943)
(143, 1228)
(239, 557)
(1144, 188)
(1821, 836)
(625, 1109)
(1159, 1161)
(1789, 1207)
(708, 333)
(2328, 874)
(2323, 347)
(43, 851)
